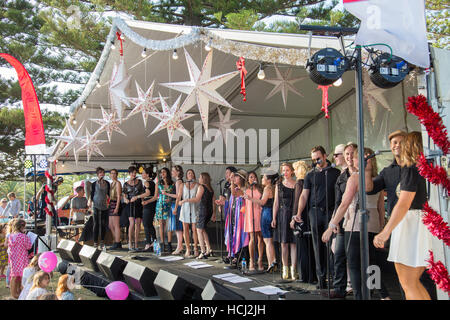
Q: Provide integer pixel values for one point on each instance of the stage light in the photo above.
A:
(144, 53)
(387, 71)
(338, 82)
(261, 73)
(164, 159)
(208, 45)
(326, 66)
(175, 55)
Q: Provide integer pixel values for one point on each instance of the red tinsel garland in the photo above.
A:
(240, 64)
(432, 121)
(434, 222)
(325, 102)
(47, 199)
(436, 175)
(439, 274)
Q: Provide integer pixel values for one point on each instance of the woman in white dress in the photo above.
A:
(27, 276)
(189, 212)
(410, 239)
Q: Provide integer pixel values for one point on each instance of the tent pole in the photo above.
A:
(364, 240)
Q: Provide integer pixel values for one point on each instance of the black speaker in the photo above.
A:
(216, 291)
(69, 250)
(88, 256)
(140, 279)
(172, 287)
(111, 266)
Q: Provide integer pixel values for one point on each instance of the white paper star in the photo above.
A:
(117, 85)
(225, 124)
(73, 141)
(170, 119)
(373, 96)
(283, 84)
(109, 124)
(145, 103)
(201, 89)
(90, 144)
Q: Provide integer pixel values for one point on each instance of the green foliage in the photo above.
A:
(438, 22)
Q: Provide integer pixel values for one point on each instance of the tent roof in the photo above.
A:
(283, 50)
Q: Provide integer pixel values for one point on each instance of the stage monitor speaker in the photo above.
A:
(69, 250)
(216, 291)
(140, 279)
(88, 256)
(111, 266)
(172, 287)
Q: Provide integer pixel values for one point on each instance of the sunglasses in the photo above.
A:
(336, 154)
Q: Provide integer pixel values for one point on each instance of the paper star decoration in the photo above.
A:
(145, 103)
(117, 85)
(373, 96)
(283, 84)
(90, 144)
(109, 124)
(225, 124)
(201, 89)
(170, 119)
(73, 140)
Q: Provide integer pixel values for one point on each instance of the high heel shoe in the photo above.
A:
(294, 273)
(273, 267)
(285, 274)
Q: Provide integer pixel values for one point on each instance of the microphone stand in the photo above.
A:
(217, 231)
(190, 213)
(253, 217)
(316, 226)
(328, 242)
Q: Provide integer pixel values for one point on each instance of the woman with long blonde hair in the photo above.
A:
(410, 238)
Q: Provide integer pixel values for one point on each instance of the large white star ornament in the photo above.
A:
(170, 119)
(374, 96)
(201, 89)
(144, 103)
(224, 124)
(117, 86)
(90, 144)
(73, 140)
(284, 84)
(109, 124)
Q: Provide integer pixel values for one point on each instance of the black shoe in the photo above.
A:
(226, 260)
(119, 245)
(170, 247)
(273, 267)
(114, 246)
(322, 285)
(334, 295)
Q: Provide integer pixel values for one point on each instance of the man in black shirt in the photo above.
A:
(318, 192)
(389, 177)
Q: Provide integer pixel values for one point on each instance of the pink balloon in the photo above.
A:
(117, 290)
(47, 261)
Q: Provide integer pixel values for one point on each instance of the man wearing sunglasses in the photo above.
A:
(318, 193)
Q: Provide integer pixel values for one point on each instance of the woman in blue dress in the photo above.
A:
(174, 218)
(164, 203)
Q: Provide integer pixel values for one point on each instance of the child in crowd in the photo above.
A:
(65, 283)
(18, 246)
(3, 251)
(48, 296)
(27, 276)
(8, 232)
(40, 282)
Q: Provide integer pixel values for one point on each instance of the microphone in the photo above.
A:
(254, 183)
(220, 181)
(373, 155)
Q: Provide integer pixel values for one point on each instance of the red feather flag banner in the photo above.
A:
(431, 120)
(436, 175)
(439, 274)
(436, 224)
(34, 127)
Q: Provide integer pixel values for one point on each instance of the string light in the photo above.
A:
(144, 53)
(112, 45)
(338, 82)
(98, 84)
(261, 73)
(175, 55)
(84, 106)
(208, 46)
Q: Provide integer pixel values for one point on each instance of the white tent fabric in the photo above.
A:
(299, 127)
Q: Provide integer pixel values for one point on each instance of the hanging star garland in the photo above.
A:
(90, 144)
(225, 124)
(117, 85)
(201, 89)
(73, 140)
(144, 103)
(170, 119)
(109, 124)
(373, 97)
(283, 84)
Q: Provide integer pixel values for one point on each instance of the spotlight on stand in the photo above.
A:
(175, 55)
(326, 66)
(387, 72)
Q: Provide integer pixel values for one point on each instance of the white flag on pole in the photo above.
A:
(399, 23)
